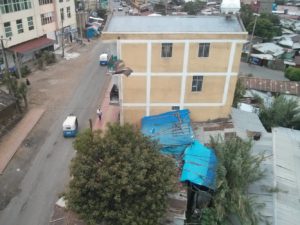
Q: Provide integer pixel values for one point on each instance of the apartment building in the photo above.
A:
(178, 63)
(30, 25)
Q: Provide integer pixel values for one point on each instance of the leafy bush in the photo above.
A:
(120, 177)
(40, 63)
(49, 57)
(25, 71)
(282, 113)
(292, 74)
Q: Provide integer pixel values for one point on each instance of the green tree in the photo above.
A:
(16, 88)
(292, 74)
(246, 15)
(267, 26)
(282, 112)
(239, 93)
(160, 8)
(192, 8)
(237, 169)
(120, 177)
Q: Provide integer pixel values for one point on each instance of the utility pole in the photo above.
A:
(4, 53)
(252, 34)
(62, 37)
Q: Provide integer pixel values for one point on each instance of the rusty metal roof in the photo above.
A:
(268, 85)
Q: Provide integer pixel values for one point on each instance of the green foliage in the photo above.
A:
(16, 88)
(267, 26)
(120, 177)
(282, 112)
(239, 93)
(246, 15)
(40, 63)
(257, 100)
(25, 71)
(237, 169)
(292, 73)
(160, 8)
(193, 7)
(49, 57)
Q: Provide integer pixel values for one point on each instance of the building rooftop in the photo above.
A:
(174, 24)
(286, 153)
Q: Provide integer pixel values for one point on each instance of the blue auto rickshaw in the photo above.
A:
(70, 126)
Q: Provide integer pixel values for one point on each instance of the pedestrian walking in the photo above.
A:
(99, 113)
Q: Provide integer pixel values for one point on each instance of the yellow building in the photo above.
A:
(178, 63)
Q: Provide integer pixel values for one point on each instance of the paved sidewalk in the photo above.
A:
(11, 142)
(110, 112)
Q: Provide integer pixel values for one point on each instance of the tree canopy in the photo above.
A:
(239, 93)
(267, 25)
(292, 73)
(193, 7)
(282, 112)
(237, 169)
(120, 177)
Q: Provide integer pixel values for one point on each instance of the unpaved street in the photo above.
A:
(39, 171)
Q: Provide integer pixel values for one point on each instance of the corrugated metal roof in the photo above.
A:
(174, 24)
(244, 121)
(269, 48)
(269, 85)
(286, 152)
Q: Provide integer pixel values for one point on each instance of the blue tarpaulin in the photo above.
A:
(199, 165)
(172, 130)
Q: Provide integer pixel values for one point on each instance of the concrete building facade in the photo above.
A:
(178, 63)
(34, 21)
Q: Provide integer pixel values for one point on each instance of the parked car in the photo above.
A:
(120, 9)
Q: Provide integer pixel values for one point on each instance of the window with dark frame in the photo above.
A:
(9, 6)
(68, 12)
(7, 29)
(166, 50)
(175, 107)
(62, 16)
(203, 50)
(44, 2)
(19, 26)
(197, 83)
(30, 23)
(47, 18)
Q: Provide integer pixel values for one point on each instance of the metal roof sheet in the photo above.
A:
(174, 24)
(286, 152)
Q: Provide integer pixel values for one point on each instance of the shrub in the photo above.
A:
(25, 71)
(49, 57)
(292, 74)
(40, 63)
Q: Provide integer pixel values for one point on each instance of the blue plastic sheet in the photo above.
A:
(171, 129)
(199, 165)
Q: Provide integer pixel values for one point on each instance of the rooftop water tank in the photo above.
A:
(230, 6)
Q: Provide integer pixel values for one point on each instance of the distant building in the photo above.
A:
(260, 6)
(178, 63)
(32, 25)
